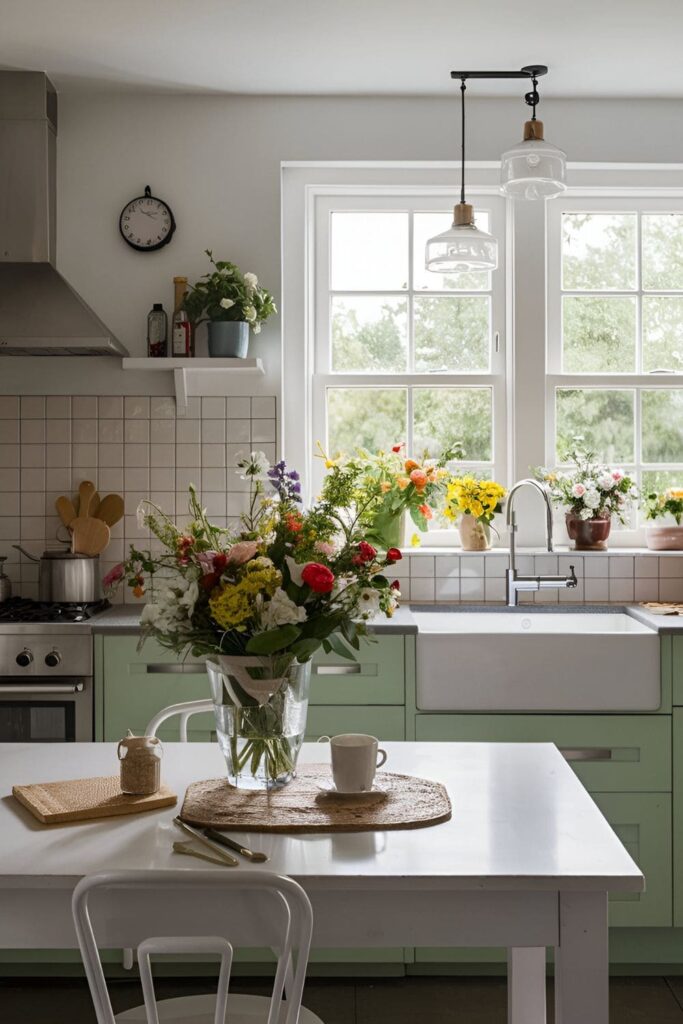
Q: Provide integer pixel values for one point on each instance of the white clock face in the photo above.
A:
(146, 223)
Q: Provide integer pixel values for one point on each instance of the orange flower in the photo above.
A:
(419, 478)
(138, 591)
(411, 464)
(385, 486)
(402, 482)
(426, 511)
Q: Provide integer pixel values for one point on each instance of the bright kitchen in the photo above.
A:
(341, 512)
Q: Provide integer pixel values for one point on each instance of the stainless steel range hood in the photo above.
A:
(40, 313)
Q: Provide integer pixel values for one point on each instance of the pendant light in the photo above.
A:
(464, 246)
(533, 169)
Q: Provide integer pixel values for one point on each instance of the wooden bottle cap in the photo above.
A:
(463, 214)
(533, 130)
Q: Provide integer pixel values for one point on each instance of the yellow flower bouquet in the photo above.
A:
(475, 503)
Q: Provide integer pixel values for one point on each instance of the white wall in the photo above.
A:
(217, 161)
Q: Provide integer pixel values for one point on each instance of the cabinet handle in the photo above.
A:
(586, 753)
(25, 688)
(175, 669)
(337, 670)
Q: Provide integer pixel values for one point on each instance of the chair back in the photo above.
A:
(195, 911)
(185, 710)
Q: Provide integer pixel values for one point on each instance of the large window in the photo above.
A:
(402, 354)
(615, 333)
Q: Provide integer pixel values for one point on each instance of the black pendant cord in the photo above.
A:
(462, 140)
(532, 98)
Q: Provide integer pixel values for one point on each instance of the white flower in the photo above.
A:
(140, 513)
(606, 482)
(257, 328)
(295, 570)
(149, 614)
(227, 303)
(280, 611)
(585, 513)
(591, 499)
(251, 280)
(368, 603)
(249, 313)
(256, 465)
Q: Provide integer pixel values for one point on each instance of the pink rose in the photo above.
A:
(241, 552)
(578, 490)
(617, 475)
(205, 559)
(113, 576)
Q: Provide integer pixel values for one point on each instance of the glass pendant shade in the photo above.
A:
(533, 169)
(463, 247)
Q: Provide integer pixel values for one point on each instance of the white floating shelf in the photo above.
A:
(197, 376)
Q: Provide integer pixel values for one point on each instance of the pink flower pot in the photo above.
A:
(664, 538)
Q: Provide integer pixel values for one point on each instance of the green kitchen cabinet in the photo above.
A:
(676, 643)
(620, 753)
(678, 815)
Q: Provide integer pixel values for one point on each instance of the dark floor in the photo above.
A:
(479, 1000)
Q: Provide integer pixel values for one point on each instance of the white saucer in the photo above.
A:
(329, 789)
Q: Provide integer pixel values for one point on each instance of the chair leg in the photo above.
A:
(128, 959)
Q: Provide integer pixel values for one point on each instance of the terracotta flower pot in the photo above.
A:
(475, 535)
(588, 534)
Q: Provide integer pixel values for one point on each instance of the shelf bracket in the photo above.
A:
(180, 381)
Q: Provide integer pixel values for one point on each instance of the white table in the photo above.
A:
(526, 862)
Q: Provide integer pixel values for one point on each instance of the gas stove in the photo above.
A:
(26, 610)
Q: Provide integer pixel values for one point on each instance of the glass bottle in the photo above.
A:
(181, 334)
(157, 332)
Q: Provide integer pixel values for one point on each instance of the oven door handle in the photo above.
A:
(50, 688)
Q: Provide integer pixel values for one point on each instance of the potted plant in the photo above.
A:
(592, 493)
(666, 535)
(380, 487)
(258, 603)
(230, 302)
(473, 504)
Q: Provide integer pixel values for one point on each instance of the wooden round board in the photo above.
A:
(401, 801)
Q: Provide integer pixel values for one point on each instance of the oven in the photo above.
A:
(46, 687)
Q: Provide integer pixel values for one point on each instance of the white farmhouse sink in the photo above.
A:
(535, 661)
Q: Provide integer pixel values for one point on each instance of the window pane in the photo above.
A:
(598, 251)
(369, 251)
(444, 415)
(365, 418)
(369, 332)
(662, 333)
(662, 250)
(425, 226)
(603, 419)
(662, 413)
(452, 334)
(598, 334)
(661, 480)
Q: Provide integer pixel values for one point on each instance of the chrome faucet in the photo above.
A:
(514, 583)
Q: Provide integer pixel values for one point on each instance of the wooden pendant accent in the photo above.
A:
(463, 214)
(533, 130)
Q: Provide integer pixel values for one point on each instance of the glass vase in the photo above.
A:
(475, 534)
(261, 706)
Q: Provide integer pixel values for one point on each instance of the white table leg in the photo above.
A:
(526, 986)
(581, 960)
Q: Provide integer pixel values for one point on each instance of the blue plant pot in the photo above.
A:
(228, 339)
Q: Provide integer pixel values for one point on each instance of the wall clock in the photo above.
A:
(147, 223)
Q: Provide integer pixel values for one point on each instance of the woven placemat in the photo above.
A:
(663, 607)
(401, 801)
(54, 803)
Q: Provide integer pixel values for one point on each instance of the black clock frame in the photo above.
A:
(164, 241)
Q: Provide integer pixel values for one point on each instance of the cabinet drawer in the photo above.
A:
(643, 823)
(375, 677)
(609, 753)
(386, 723)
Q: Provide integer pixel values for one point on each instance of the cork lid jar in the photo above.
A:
(140, 758)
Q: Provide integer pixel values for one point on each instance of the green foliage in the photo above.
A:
(659, 505)
(225, 293)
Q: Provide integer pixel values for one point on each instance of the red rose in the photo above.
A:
(396, 585)
(219, 562)
(318, 577)
(366, 551)
(397, 447)
(394, 555)
(209, 581)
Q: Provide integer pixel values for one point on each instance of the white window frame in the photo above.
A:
(639, 201)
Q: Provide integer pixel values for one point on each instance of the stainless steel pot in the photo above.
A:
(67, 578)
(5, 584)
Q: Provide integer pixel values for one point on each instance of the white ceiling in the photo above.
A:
(605, 48)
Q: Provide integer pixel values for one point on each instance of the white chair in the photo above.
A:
(213, 912)
(185, 710)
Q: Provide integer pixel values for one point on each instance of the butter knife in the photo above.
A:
(218, 837)
(200, 837)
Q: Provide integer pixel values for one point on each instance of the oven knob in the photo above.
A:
(53, 659)
(24, 658)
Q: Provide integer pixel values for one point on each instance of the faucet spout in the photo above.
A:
(514, 582)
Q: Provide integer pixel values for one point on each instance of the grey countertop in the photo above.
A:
(125, 619)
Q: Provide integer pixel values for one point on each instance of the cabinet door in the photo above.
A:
(643, 823)
(377, 676)
(678, 815)
(386, 723)
(619, 753)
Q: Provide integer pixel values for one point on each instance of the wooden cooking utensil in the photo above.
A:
(65, 509)
(111, 509)
(94, 504)
(89, 536)
(86, 492)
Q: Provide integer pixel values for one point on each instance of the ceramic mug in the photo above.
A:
(355, 759)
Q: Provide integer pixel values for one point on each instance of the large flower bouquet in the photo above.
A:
(590, 489)
(289, 581)
(379, 487)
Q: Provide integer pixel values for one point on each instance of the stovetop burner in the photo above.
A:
(25, 609)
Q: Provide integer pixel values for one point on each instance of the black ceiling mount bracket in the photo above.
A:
(528, 71)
